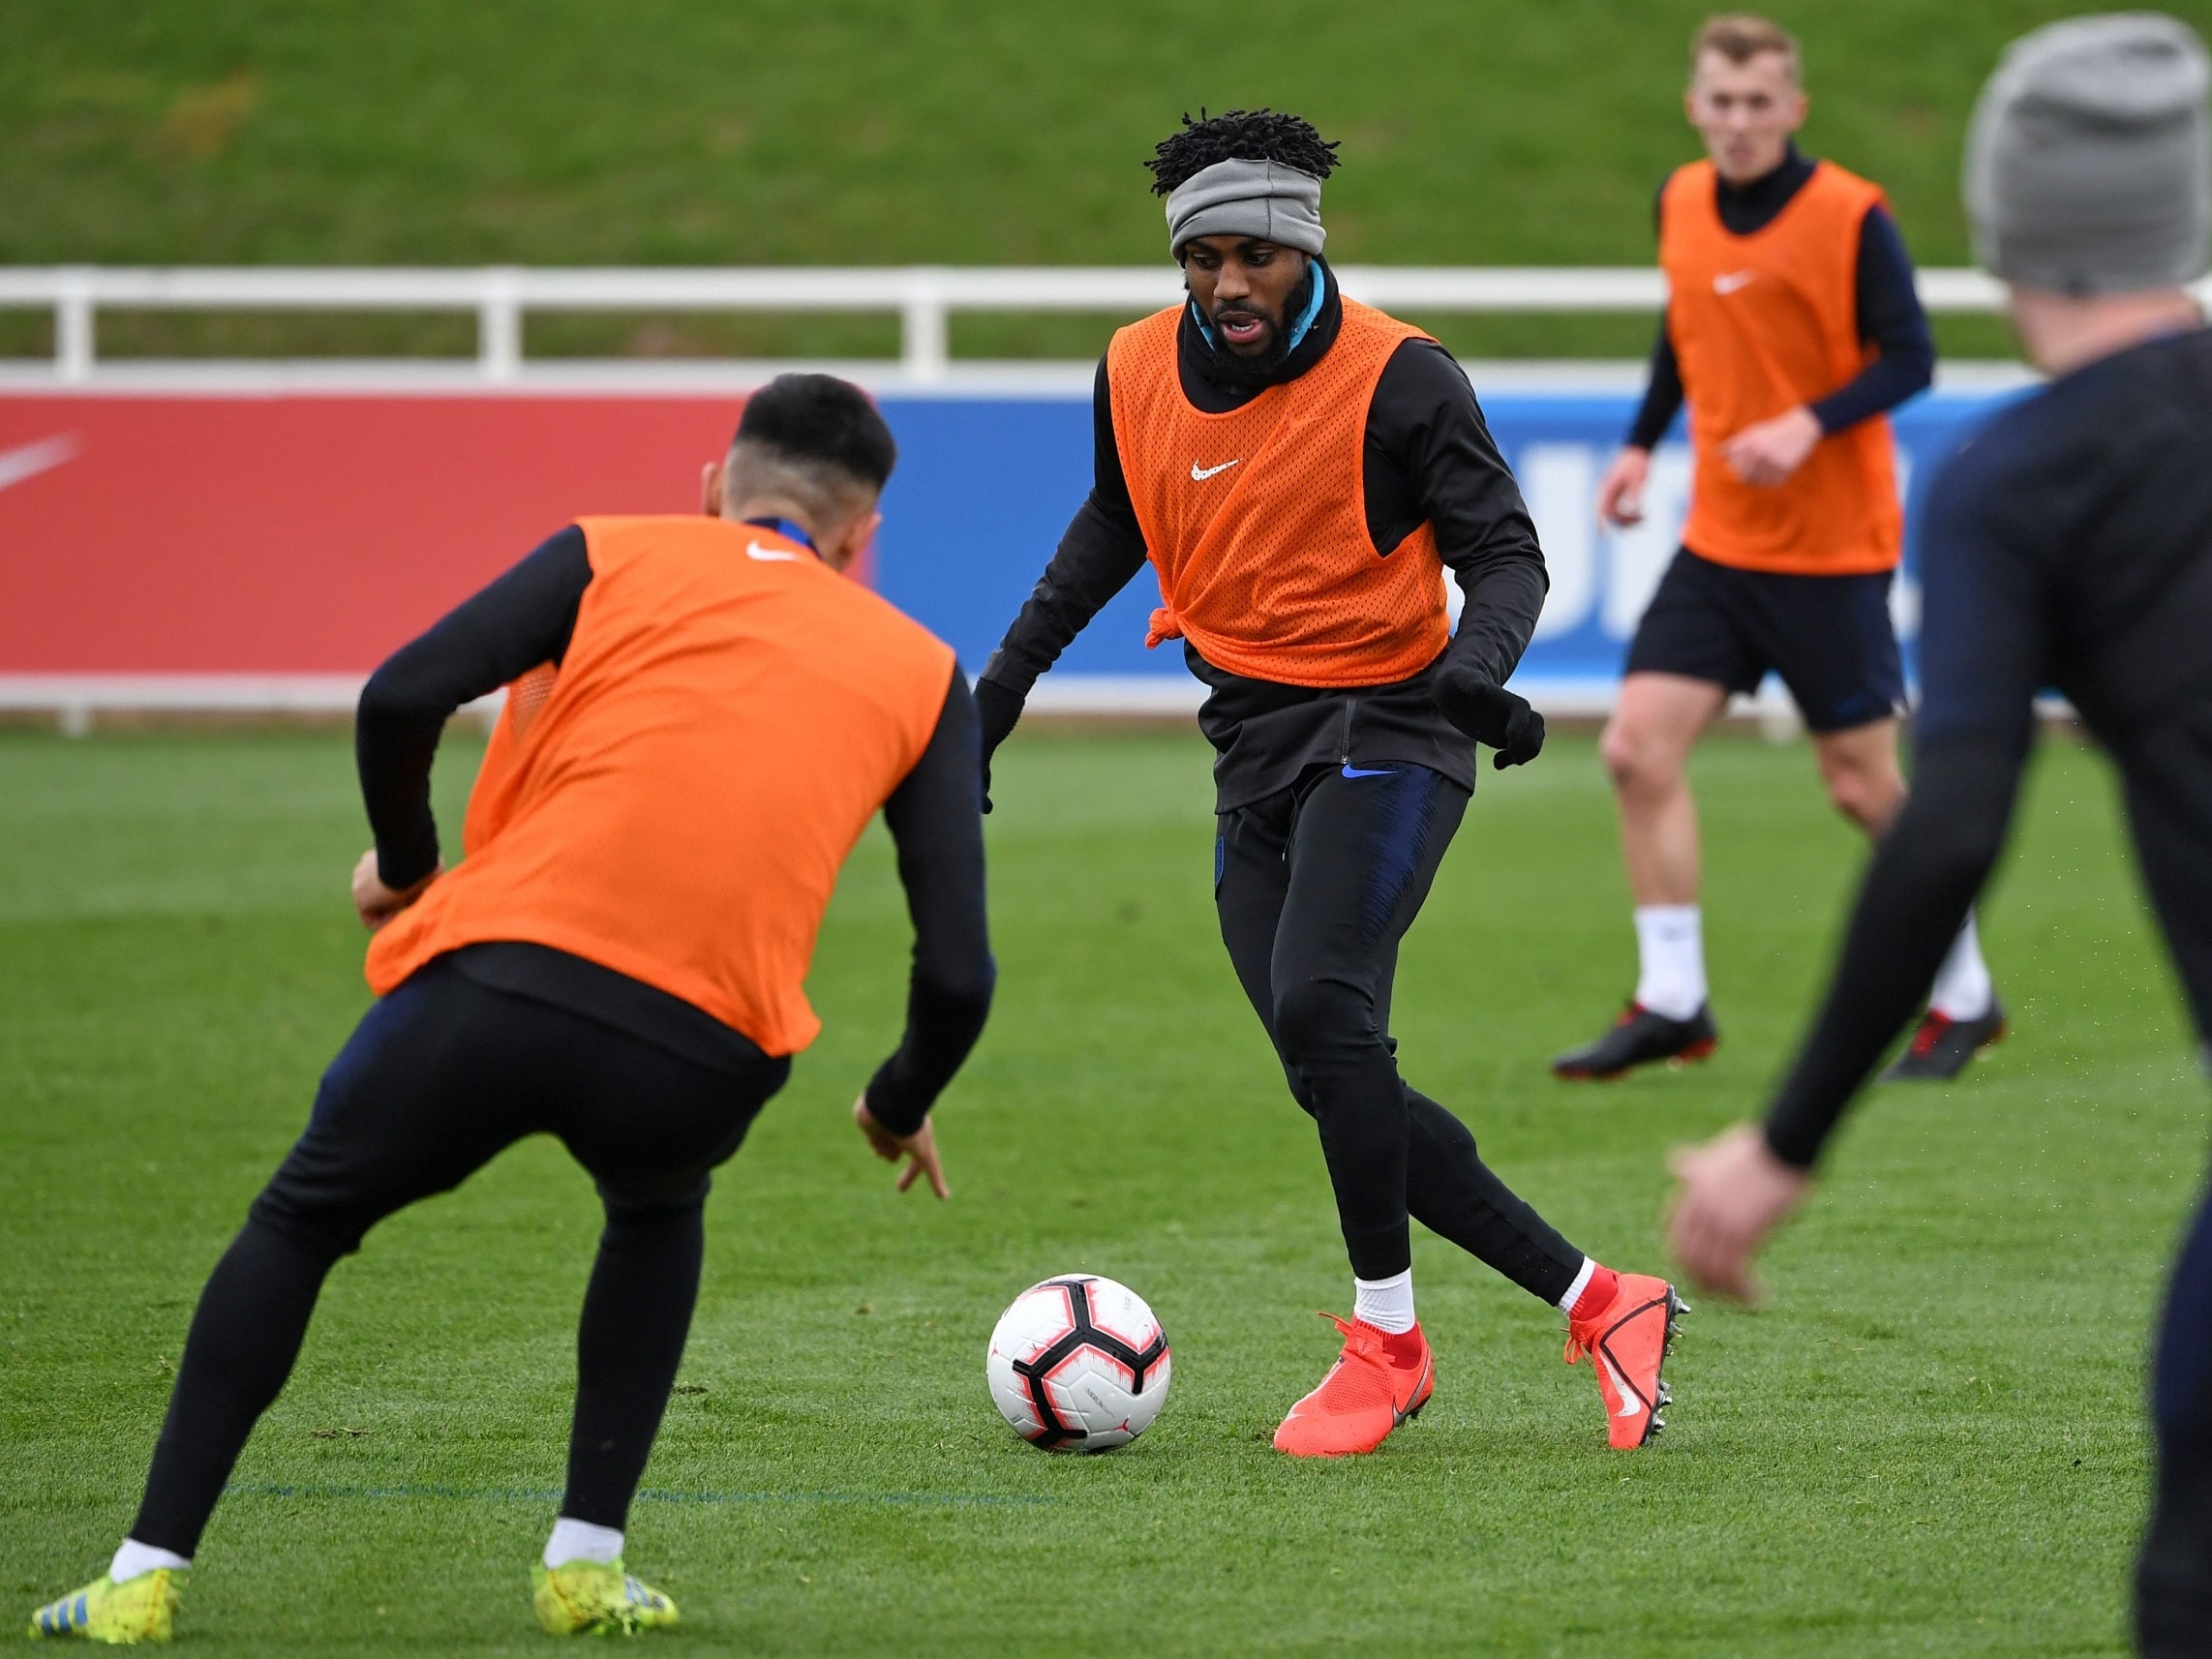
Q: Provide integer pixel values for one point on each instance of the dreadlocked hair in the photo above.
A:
(1242, 135)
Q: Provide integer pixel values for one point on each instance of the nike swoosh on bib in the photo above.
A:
(1199, 475)
(32, 459)
(770, 555)
(1728, 282)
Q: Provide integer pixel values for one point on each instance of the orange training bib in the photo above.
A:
(1255, 520)
(1761, 324)
(676, 802)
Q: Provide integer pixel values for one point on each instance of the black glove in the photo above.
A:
(997, 708)
(1491, 714)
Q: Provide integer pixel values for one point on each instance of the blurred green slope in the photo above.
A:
(888, 131)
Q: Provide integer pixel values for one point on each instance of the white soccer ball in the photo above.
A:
(1078, 1364)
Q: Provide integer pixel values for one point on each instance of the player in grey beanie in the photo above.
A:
(2089, 163)
(2069, 545)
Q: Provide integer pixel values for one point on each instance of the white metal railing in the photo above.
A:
(923, 297)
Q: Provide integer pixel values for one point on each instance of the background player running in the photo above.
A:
(1299, 469)
(2069, 544)
(706, 717)
(1792, 325)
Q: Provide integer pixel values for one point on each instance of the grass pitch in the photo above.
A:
(1930, 1442)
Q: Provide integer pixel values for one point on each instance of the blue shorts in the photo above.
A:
(1828, 637)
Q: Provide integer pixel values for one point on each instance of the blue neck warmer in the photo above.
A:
(1298, 329)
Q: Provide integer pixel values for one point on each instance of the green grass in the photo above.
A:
(867, 132)
(1930, 1442)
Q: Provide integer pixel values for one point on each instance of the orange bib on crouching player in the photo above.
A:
(675, 802)
(1761, 324)
(1255, 520)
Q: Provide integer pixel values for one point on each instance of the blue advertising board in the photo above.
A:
(985, 486)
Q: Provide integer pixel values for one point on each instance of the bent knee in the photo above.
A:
(1316, 1018)
(324, 1231)
(1637, 760)
(1869, 798)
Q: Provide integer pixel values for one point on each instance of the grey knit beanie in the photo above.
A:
(2089, 161)
(1247, 199)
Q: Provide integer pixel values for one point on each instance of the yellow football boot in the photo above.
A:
(593, 1598)
(137, 1610)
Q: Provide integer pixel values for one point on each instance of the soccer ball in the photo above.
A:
(1078, 1364)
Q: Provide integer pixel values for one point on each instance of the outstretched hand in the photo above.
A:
(1491, 714)
(1734, 1193)
(377, 903)
(920, 1148)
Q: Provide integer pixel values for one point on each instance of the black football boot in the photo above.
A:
(1638, 1038)
(1942, 1046)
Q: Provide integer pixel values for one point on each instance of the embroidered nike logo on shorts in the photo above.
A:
(1200, 475)
(770, 555)
(1728, 282)
(1350, 771)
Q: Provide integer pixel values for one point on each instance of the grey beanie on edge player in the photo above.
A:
(2089, 161)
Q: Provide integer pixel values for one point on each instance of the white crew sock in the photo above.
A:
(1669, 954)
(1386, 1304)
(1962, 988)
(1580, 1284)
(135, 1558)
(580, 1541)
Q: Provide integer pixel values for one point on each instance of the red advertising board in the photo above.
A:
(302, 533)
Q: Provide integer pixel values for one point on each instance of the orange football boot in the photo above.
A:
(1628, 1341)
(1378, 1381)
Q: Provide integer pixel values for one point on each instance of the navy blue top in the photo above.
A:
(2067, 545)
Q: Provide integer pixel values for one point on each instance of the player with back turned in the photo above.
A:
(1300, 470)
(1792, 325)
(705, 715)
(2069, 544)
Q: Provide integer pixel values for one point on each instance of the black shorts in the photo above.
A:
(1828, 637)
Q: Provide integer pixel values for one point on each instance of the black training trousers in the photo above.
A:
(1316, 885)
(439, 1077)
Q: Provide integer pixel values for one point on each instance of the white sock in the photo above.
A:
(135, 1558)
(1962, 988)
(1386, 1304)
(1670, 953)
(1580, 1284)
(580, 1541)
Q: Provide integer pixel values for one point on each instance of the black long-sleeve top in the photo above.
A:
(1887, 307)
(2069, 545)
(1429, 457)
(526, 618)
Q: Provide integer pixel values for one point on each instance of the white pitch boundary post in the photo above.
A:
(924, 328)
(74, 325)
(499, 326)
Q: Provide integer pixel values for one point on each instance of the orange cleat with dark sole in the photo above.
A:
(1380, 1380)
(1628, 1341)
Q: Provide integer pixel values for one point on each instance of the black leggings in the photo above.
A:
(439, 1077)
(1315, 886)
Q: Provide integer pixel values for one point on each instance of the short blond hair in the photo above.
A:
(1742, 36)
